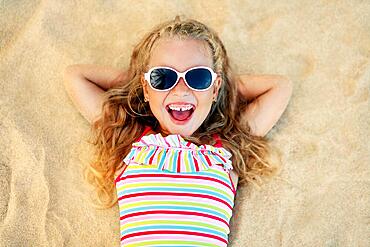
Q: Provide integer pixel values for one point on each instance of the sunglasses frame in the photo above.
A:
(179, 75)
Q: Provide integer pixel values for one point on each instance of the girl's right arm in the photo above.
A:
(86, 83)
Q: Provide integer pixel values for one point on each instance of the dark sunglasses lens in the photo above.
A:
(163, 78)
(199, 78)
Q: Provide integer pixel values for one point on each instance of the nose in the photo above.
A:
(181, 88)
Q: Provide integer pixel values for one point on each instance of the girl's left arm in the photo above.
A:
(269, 96)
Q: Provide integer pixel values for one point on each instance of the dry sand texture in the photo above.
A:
(323, 46)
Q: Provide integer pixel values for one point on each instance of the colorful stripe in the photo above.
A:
(177, 154)
(175, 196)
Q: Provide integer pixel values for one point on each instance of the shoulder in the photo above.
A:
(118, 172)
(234, 177)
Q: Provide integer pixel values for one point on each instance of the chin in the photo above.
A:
(188, 133)
(181, 131)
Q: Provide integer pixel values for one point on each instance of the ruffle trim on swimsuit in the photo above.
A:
(174, 154)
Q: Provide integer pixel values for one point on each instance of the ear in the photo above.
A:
(217, 86)
(145, 87)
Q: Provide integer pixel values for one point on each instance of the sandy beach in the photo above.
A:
(322, 195)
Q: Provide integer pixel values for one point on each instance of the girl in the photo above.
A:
(174, 132)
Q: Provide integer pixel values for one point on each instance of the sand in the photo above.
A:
(323, 46)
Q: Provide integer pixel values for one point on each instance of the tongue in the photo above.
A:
(180, 115)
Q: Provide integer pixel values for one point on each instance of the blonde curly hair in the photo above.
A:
(125, 114)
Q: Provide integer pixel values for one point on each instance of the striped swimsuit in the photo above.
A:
(174, 193)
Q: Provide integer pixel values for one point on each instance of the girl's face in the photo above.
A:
(181, 55)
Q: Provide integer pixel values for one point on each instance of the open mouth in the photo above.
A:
(180, 112)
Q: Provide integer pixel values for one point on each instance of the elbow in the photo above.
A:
(69, 74)
(71, 70)
(285, 84)
(286, 81)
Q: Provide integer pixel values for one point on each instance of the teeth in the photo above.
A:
(180, 107)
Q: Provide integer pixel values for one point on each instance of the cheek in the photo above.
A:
(156, 100)
(154, 96)
(205, 100)
(207, 96)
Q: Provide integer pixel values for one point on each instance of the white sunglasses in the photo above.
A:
(199, 78)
